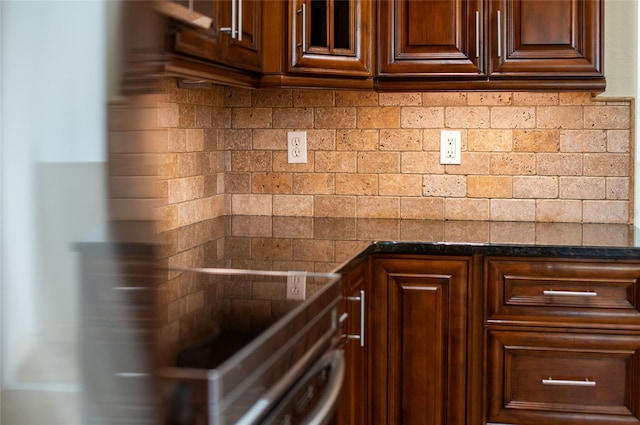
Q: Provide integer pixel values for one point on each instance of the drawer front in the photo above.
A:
(573, 290)
(562, 378)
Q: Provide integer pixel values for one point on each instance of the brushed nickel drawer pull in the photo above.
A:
(361, 336)
(568, 382)
(571, 293)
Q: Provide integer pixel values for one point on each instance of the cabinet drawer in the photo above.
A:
(573, 291)
(562, 378)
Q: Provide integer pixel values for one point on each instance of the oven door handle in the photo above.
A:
(326, 406)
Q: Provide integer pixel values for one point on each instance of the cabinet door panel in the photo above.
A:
(419, 340)
(546, 38)
(438, 38)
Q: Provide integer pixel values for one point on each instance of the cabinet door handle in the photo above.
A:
(551, 292)
(569, 382)
(361, 336)
(239, 20)
(233, 18)
(304, 27)
(499, 36)
(477, 34)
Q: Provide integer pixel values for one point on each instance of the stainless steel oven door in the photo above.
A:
(313, 399)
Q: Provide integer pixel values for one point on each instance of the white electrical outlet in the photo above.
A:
(297, 147)
(296, 286)
(450, 147)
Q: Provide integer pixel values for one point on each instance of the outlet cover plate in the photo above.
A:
(297, 147)
(450, 141)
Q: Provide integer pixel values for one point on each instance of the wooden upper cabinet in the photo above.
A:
(541, 38)
(234, 36)
(438, 38)
(330, 37)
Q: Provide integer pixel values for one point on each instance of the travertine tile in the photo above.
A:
(237, 139)
(513, 164)
(606, 212)
(489, 187)
(536, 140)
(609, 165)
(400, 185)
(293, 205)
(251, 118)
(269, 139)
(513, 117)
(332, 228)
(618, 141)
(466, 209)
(356, 184)
(251, 204)
(360, 140)
(575, 98)
(272, 98)
(467, 117)
(421, 117)
(606, 117)
(444, 99)
(471, 163)
(251, 161)
(293, 118)
(445, 186)
(334, 206)
(378, 207)
(471, 231)
(550, 164)
(559, 233)
(583, 141)
(490, 140)
(275, 183)
(400, 99)
(313, 183)
(565, 117)
(338, 117)
(295, 227)
(582, 187)
(489, 98)
(378, 117)
(323, 139)
(512, 210)
(313, 250)
(534, 187)
(237, 182)
(556, 210)
(617, 188)
(512, 232)
(356, 98)
(235, 97)
(313, 97)
(421, 163)
(334, 161)
(422, 208)
(400, 140)
(379, 162)
(535, 99)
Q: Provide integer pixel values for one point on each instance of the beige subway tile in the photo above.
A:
(421, 163)
(313, 97)
(203, 116)
(185, 189)
(293, 118)
(617, 188)
(490, 140)
(471, 163)
(558, 211)
(559, 233)
(337, 162)
(168, 115)
(186, 115)
(237, 139)
(421, 117)
(400, 140)
(356, 184)
(575, 98)
(535, 99)
(357, 140)
(251, 118)
(281, 162)
(582, 187)
(583, 141)
(378, 117)
(356, 98)
(293, 205)
(444, 186)
(334, 206)
(467, 117)
(337, 117)
(177, 140)
(313, 250)
(559, 164)
(489, 187)
(513, 117)
(536, 140)
(513, 163)
(606, 212)
(220, 117)
(489, 98)
(377, 207)
(275, 183)
(603, 234)
(323, 139)
(466, 209)
(607, 117)
(444, 99)
(378, 162)
(400, 99)
(606, 164)
(313, 183)
(269, 139)
(237, 97)
(251, 204)
(431, 139)
(272, 98)
(532, 187)
(565, 117)
(400, 185)
(513, 209)
(334, 228)
(250, 161)
(195, 140)
(618, 141)
(422, 208)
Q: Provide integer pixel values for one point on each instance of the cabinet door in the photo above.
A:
(541, 38)
(430, 38)
(331, 37)
(419, 340)
(233, 38)
(353, 402)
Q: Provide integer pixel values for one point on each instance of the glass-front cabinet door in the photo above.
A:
(330, 37)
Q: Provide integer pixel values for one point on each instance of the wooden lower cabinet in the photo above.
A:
(418, 340)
